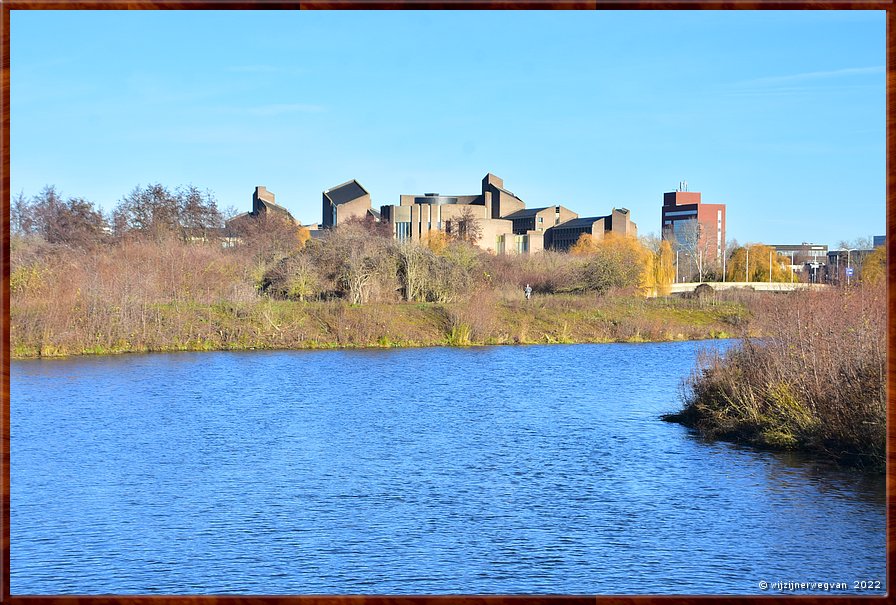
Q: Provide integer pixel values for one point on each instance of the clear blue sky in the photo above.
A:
(780, 115)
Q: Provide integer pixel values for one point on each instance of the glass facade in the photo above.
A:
(402, 231)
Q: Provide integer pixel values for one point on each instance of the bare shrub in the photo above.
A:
(816, 379)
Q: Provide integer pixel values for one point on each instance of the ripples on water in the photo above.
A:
(483, 470)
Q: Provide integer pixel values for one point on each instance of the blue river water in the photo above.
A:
(538, 469)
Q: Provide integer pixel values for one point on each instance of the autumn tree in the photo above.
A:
(662, 268)
(296, 277)
(751, 263)
(584, 246)
(616, 262)
(198, 212)
(369, 224)
(874, 267)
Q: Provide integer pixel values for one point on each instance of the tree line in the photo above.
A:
(153, 210)
(359, 261)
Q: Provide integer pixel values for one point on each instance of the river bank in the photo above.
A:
(811, 384)
(278, 324)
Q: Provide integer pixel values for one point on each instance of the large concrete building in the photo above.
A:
(503, 224)
(683, 211)
(415, 217)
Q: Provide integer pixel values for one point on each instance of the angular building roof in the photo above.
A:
(525, 212)
(585, 221)
(346, 192)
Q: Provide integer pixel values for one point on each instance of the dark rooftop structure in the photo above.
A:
(345, 201)
(346, 192)
(525, 213)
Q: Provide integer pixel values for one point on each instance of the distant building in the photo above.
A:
(681, 209)
(844, 266)
(501, 218)
(416, 216)
(563, 236)
(805, 258)
(539, 219)
(803, 253)
(345, 201)
(879, 240)
(263, 205)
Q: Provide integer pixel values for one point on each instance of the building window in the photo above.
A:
(681, 213)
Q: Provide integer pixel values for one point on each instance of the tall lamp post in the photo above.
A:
(849, 265)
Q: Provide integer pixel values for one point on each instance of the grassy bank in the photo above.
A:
(815, 382)
(278, 324)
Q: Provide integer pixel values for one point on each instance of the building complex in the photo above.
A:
(503, 223)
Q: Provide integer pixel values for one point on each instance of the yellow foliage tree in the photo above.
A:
(874, 268)
(437, 241)
(616, 261)
(584, 246)
(664, 268)
(303, 234)
(757, 255)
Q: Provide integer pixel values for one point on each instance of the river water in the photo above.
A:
(539, 469)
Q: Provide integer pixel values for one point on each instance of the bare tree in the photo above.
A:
(21, 216)
(690, 239)
(156, 211)
(465, 227)
(151, 211)
(73, 222)
(198, 211)
(352, 260)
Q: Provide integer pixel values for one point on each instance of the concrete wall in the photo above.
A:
(492, 228)
(358, 207)
(504, 204)
(621, 223)
(553, 215)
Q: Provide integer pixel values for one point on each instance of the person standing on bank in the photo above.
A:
(528, 291)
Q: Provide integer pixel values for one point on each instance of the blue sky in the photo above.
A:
(778, 114)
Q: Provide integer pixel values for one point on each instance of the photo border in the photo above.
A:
(6, 6)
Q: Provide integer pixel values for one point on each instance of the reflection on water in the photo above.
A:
(480, 470)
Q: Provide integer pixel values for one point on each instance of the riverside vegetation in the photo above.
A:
(154, 276)
(815, 381)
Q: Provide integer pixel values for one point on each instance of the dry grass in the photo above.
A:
(814, 381)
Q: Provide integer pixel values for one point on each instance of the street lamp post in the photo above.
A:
(724, 258)
(848, 264)
(791, 266)
(676, 266)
